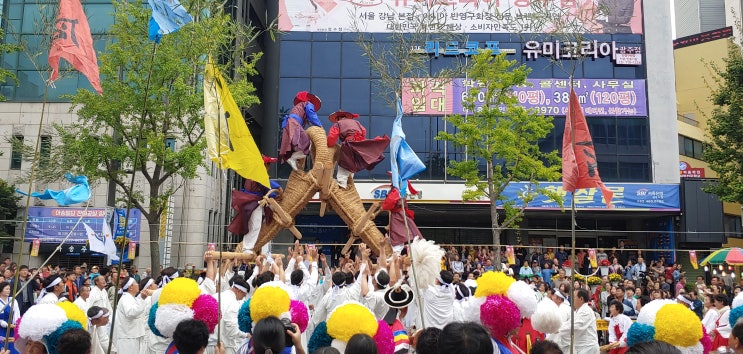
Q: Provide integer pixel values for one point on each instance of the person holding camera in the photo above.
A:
(267, 337)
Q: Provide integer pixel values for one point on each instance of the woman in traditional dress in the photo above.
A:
(9, 308)
(295, 143)
(722, 324)
(619, 324)
(357, 152)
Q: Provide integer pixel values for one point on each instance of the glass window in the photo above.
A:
(16, 158)
(354, 95)
(326, 59)
(45, 150)
(688, 147)
(293, 59)
(733, 226)
(353, 63)
(698, 149)
(329, 91)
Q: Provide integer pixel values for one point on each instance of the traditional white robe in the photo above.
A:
(624, 323)
(232, 337)
(99, 298)
(130, 322)
(586, 338)
(709, 319)
(49, 298)
(82, 304)
(99, 340)
(156, 344)
(438, 306)
(564, 311)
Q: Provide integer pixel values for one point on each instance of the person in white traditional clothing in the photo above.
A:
(129, 326)
(82, 300)
(464, 306)
(147, 285)
(586, 339)
(302, 281)
(564, 311)
(438, 301)
(53, 288)
(710, 316)
(157, 344)
(98, 329)
(619, 324)
(341, 292)
(98, 295)
(722, 330)
(9, 314)
(230, 303)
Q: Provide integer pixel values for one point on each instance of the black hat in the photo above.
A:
(398, 297)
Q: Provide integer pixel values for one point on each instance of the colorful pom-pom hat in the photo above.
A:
(503, 302)
(272, 299)
(45, 323)
(670, 322)
(181, 300)
(346, 320)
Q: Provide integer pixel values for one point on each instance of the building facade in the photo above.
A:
(318, 52)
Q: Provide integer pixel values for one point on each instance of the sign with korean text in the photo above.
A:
(53, 224)
(687, 171)
(461, 16)
(455, 48)
(598, 97)
(627, 196)
(557, 50)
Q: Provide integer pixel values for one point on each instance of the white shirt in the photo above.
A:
(624, 323)
(564, 311)
(709, 319)
(129, 314)
(438, 306)
(82, 304)
(232, 337)
(99, 298)
(586, 338)
(723, 322)
(49, 298)
(99, 340)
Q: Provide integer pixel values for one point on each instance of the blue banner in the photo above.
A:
(627, 196)
(51, 225)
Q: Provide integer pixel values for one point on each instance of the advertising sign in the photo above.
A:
(687, 171)
(462, 16)
(598, 97)
(627, 196)
(53, 224)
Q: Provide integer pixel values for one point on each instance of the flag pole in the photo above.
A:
(16, 276)
(131, 197)
(573, 260)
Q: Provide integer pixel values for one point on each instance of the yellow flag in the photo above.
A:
(224, 127)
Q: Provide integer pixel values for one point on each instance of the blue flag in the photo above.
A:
(167, 17)
(78, 193)
(405, 163)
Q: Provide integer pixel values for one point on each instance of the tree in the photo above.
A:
(724, 149)
(151, 93)
(503, 135)
(8, 212)
(5, 48)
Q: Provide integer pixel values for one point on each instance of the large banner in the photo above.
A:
(627, 196)
(598, 97)
(51, 225)
(460, 16)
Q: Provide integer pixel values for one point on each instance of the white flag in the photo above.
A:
(103, 243)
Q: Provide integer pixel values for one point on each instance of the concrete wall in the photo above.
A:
(661, 99)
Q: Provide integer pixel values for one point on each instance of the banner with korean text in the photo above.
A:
(51, 225)
(598, 97)
(460, 16)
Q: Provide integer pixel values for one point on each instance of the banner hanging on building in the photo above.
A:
(598, 97)
(461, 16)
(51, 225)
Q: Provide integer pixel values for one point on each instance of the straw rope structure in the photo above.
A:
(303, 185)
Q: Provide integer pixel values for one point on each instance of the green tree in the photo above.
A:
(724, 149)
(503, 135)
(8, 213)
(5, 74)
(151, 94)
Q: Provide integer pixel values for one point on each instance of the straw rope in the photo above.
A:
(303, 185)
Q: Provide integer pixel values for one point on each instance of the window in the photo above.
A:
(732, 225)
(170, 143)
(16, 157)
(690, 147)
(45, 150)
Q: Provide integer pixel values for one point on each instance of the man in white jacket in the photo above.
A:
(98, 330)
(231, 301)
(98, 295)
(129, 323)
(586, 339)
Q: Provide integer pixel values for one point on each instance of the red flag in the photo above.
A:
(72, 41)
(579, 166)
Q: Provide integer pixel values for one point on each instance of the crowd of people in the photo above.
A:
(385, 286)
